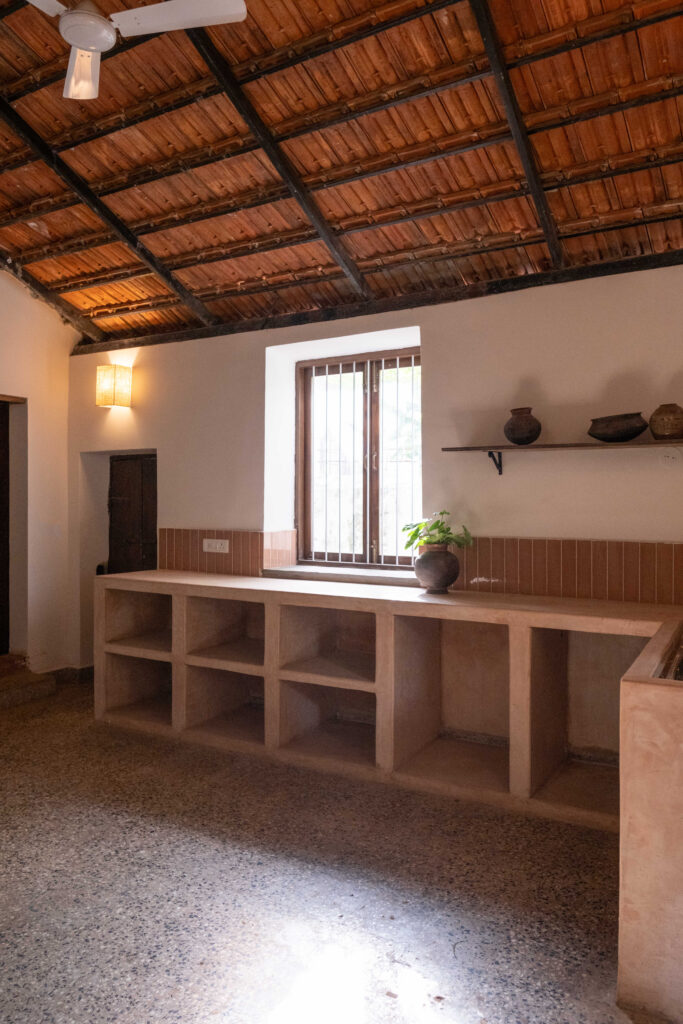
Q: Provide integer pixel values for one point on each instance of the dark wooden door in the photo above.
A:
(4, 527)
(132, 513)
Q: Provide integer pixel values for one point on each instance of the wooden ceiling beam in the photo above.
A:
(411, 300)
(123, 233)
(429, 253)
(66, 311)
(501, 75)
(222, 72)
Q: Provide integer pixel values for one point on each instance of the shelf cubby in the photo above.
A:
(333, 647)
(574, 726)
(328, 722)
(451, 704)
(224, 708)
(138, 624)
(225, 634)
(137, 692)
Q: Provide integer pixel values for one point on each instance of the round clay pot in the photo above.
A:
(436, 568)
(522, 427)
(666, 422)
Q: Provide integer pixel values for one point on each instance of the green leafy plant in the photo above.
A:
(436, 530)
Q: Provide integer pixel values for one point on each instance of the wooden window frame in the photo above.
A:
(370, 557)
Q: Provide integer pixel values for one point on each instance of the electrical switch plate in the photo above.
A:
(220, 547)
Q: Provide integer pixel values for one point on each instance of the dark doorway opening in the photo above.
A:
(4, 527)
(132, 513)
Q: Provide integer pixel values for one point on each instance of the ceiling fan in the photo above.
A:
(90, 34)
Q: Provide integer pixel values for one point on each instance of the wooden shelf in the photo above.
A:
(241, 655)
(241, 729)
(155, 646)
(348, 669)
(459, 767)
(577, 445)
(495, 451)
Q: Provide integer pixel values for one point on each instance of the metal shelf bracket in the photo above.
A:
(497, 459)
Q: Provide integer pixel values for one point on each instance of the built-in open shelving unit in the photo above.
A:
(509, 700)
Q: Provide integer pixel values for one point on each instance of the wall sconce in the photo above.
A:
(114, 385)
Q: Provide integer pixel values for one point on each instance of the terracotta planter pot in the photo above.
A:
(436, 568)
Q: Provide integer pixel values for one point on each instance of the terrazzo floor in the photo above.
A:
(149, 882)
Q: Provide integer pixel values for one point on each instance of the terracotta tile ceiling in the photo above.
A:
(329, 157)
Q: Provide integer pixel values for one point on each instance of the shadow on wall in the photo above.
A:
(626, 392)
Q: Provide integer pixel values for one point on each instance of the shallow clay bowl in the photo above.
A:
(623, 427)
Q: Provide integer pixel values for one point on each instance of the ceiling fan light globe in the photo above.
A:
(87, 30)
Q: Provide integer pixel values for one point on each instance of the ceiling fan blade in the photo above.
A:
(51, 7)
(178, 14)
(83, 75)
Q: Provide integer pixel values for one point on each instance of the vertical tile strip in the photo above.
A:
(497, 565)
(583, 568)
(539, 567)
(631, 571)
(511, 578)
(615, 570)
(648, 573)
(599, 574)
(665, 573)
(569, 566)
(554, 567)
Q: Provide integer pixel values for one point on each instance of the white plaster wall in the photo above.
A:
(571, 351)
(34, 364)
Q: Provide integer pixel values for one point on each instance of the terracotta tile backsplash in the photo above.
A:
(605, 570)
(250, 551)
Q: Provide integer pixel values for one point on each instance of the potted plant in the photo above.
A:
(436, 567)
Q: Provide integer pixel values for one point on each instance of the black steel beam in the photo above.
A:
(10, 8)
(121, 230)
(412, 300)
(223, 74)
(489, 35)
(65, 310)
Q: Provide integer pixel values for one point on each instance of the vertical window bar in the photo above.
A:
(353, 464)
(327, 414)
(339, 471)
(311, 460)
(379, 557)
(412, 442)
(396, 457)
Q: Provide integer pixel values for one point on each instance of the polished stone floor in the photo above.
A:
(150, 882)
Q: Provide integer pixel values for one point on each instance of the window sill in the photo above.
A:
(340, 574)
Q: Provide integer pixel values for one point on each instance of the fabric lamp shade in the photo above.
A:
(114, 385)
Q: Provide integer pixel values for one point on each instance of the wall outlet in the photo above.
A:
(220, 547)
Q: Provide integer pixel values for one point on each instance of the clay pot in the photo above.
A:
(436, 568)
(522, 427)
(623, 427)
(666, 422)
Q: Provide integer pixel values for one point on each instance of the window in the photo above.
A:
(359, 465)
